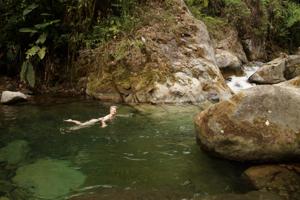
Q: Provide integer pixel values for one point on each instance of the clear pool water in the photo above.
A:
(151, 149)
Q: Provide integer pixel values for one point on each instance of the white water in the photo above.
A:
(240, 82)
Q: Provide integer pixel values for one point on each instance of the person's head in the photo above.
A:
(113, 110)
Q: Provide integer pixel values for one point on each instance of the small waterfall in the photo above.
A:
(237, 79)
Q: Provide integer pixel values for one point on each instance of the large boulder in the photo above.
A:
(270, 73)
(226, 59)
(165, 61)
(281, 179)
(278, 70)
(9, 97)
(259, 124)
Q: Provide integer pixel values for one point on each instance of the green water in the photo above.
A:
(150, 149)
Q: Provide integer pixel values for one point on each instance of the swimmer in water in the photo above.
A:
(102, 120)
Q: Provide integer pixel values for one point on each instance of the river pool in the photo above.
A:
(150, 150)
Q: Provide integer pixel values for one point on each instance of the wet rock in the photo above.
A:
(278, 70)
(15, 152)
(270, 73)
(227, 59)
(48, 179)
(169, 61)
(9, 97)
(259, 124)
(280, 179)
(256, 195)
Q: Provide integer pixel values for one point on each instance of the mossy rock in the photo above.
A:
(15, 152)
(49, 179)
(260, 124)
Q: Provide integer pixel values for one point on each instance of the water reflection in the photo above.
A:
(8, 113)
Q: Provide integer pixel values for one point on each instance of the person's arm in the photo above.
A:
(73, 121)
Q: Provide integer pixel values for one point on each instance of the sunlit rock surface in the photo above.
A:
(277, 70)
(258, 124)
(169, 61)
(9, 97)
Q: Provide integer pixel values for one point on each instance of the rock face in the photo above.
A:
(271, 73)
(259, 124)
(281, 179)
(228, 48)
(166, 61)
(255, 48)
(9, 97)
(278, 70)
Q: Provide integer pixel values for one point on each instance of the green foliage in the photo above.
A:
(39, 32)
(27, 73)
(273, 21)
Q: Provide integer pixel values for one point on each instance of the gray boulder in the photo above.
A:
(278, 70)
(226, 59)
(270, 73)
(259, 124)
(9, 97)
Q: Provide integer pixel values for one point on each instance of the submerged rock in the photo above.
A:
(15, 152)
(48, 179)
(9, 97)
(256, 195)
(281, 179)
(259, 124)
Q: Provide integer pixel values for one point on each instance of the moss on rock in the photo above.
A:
(49, 179)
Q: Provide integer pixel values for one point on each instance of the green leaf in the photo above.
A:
(45, 14)
(30, 76)
(32, 51)
(27, 30)
(23, 70)
(42, 53)
(42, 38)
(46, 24)
(29, 9)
